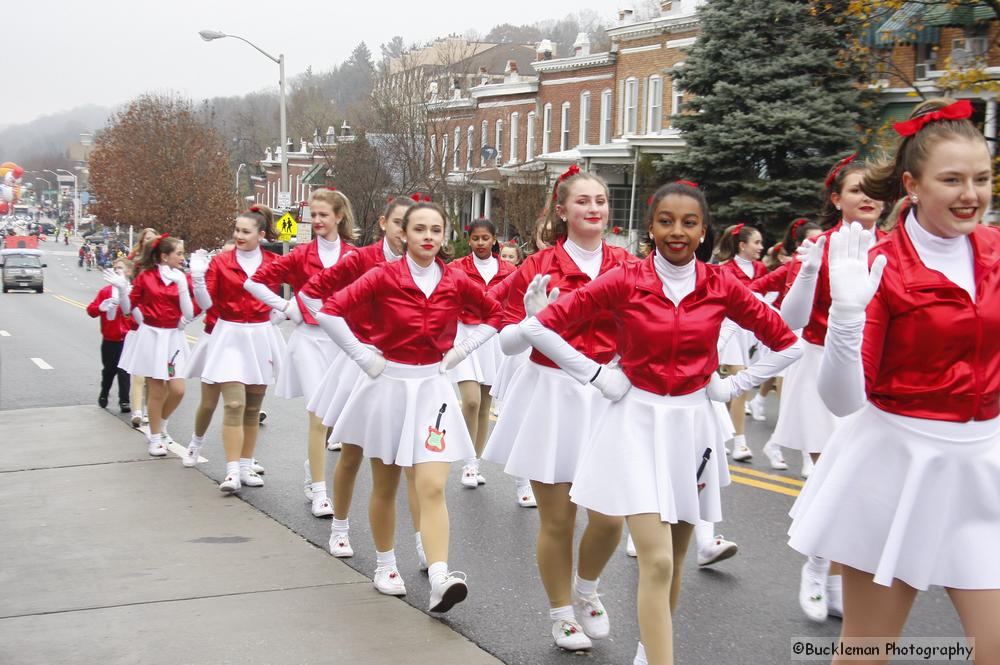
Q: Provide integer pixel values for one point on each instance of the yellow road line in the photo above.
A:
(69, 301)
(764, 486)
(769, 476)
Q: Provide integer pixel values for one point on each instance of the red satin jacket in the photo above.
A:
(929, 351)
(112, 330)
(158, 302)
(467, 265)
(759, 270)
(408, 327)
(327, 282)
(815, 330)
(295, 269)
(774, 281)
(594, 337)
(230, 301)
(667, 349)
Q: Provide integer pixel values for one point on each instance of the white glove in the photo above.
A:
(719, 389)
(451, 359)
(535, 298)
(292, 311)
(852, 285)
(108, 304)
(376, 365)
(276, 317)
(114, 279)
(612, 382)
(199, 264)
(182, 324)
(811, 255)
(371, 362)
(176, 276)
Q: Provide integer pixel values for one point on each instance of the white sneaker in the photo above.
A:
(758, 408)
(136, 419)
(145, 417)
(388, 581)
(480, 478)
(746, 408)
(834, 597)
(191, 454)
(470, 477)
(340, 545)
(157, 449)
(167, 439)
(719, 549)
(630, 547)
(742, 452)
(812, 595)
(726, 448)
(256, 467)
(422, 559)
(448, 592)
(334, 445)
(526, 497)
(308, 482)
(250, 478)
(321, 507)
(807, 465)
(569, 635)
(772, 452)
(230, 484)
(590, 614)
(640, 656)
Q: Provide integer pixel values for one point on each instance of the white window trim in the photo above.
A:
(457, 150)
(584, 117)
(564, 126)
(631, 117)
(444, 153)
(546, 128)
(470, 135)
(607, 128)
(515, 121)
(433, 150)
(654, 107)
(529, 139)
(498, 140)
(484, 130)
(676, 95)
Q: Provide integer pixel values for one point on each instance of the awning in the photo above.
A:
(959, 16)
(907, 26)
(316, 176)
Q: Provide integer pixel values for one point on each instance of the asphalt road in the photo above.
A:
(744, 610)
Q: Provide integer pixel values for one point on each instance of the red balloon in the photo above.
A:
(4, 208)
(18, 172)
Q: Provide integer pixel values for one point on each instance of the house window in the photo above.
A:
(469, 140)
(584, 118)
(676, 94)
(564, 127)
(546, 128)
(515, 119)
(606, 117)
(444, 154)
(433, 150)
(654, 118)
(529, 152)
(458, 148)
(499, 141)
(631, 105)
(484, 131)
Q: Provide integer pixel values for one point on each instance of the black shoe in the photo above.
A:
(125, 407)
(102, 401)
(263, 417)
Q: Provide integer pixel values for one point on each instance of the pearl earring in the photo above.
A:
(914, 198)
(838, 207)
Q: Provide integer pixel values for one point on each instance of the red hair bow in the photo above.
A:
(736, 229)
(156, 243)
(838, 168)
(332, 189)
(418, 197)
(254, 208)
(795, 226)
(649, 201)
(960, 110)
(777, 247)
(688, 183)
(569, 173)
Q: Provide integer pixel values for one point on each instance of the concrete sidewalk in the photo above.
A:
(110, 556)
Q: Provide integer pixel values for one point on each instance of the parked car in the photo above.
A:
(22, 269)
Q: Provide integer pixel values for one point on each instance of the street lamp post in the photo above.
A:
(284, 196)
(76, 194)
(238, 169)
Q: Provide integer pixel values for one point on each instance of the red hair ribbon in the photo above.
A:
(511, 243)
(332, 189)
(254, 208)
(415, 196)
(688, 183)
(569, 173)
(156, 243)
(777, 248)
(736, 229)
(838, 168)
(418, 197)
(426, 198)
(960, 110)
(649, 201)
(795, 227)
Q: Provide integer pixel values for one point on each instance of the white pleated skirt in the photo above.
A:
(724, 419)
(547, 420)
(737, 349)
(509, 367)
(156, 353)
(804, 422)
(196, 360)
(307, 355)
(398, 417)
(342, 377)
(906, 498)
(645, 455)
(247, 353)
(484, 362)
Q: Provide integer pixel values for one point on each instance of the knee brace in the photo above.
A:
(251, 413)
(234, 400)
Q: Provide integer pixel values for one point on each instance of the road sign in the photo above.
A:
(284, 199)
(287, 227)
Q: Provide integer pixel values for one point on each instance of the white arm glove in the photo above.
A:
(841, 380)
(199, 266)
(137, 316)
(183, 323)
(463, 349)
(276, 317)
(184, 294)
(109, 306)
(312, 304)
(797, 306)
(770, 364)
(512, 339)
(112, 311)
(118, 282)
(726, 332)
(265, 295)
(336, 327)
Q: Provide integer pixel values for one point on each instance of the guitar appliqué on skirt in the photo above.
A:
(435, 437)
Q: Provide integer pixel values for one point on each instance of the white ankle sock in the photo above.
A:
(233, 469)
(341, 526)
(155, 438)
(835, 583)
(739, 440)
(704, 533)
(523, 483)
(319, 489)
(437, 572)
(564, 613)
(197, 440)
(245, 464)
(385, 559)
(163, 426)
(586, 587)
(818, 567)
(640, 654)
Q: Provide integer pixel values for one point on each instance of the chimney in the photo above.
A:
(331, 135)
(666, 6)
(484, 76)
(345, 129)
(544, 50)
(510, 72)
(581, 47)
(625, 16)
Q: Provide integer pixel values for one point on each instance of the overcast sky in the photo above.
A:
(64, 53)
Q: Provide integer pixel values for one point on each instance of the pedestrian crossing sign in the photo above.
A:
(287, 227)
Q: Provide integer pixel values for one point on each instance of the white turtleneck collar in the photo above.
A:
(388, 253)
(746, 265)
(488, 268)
(427, 278)
(329, 250)
(678, 281)
(249, 260)
(952, 257)
(164, 271)
(588, 261)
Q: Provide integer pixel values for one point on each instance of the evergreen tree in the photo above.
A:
(773, 106)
